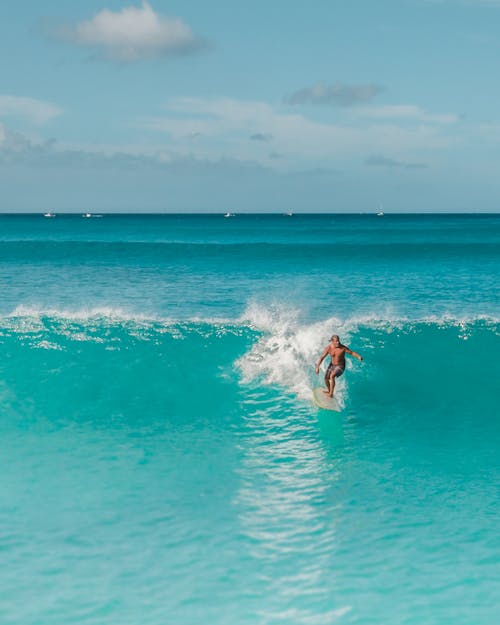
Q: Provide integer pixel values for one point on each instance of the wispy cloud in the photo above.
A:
(337, 94)
(484, 3)
(473, 3)
(408, 112)
(261, 136)
(18, 149)
(490, 130)
(225, 126)
(29, 109)
(209, 130)
(385, 161)
(132, 34)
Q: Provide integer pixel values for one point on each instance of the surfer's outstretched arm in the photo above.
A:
(323, 356)
(355, 354)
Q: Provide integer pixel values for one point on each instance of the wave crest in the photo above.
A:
(269, 345)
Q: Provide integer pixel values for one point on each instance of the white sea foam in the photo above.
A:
(286, 353)
(108, 314)
(286, 346)
(78, 314)
(47, 345)
(263, 318)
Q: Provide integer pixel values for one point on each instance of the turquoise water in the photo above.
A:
(162, 461)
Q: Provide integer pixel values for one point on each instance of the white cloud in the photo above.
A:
(34, 111)
(489, 129)
(132, 34)
(480, 5)
(17, 149)
(379, 160)
(223, 126)
(408, 112)
(473, 3)
(337, 94)
(213, 129)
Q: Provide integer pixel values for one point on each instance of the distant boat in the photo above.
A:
(381, 214)
(229, 215)
(87, 215)
(289, 214)
(49, 214)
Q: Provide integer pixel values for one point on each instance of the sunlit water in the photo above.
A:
(162, 461)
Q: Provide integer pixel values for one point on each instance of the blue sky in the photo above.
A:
(172, 106)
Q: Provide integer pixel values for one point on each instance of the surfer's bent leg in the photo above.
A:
(332, 383)
(332, 373)
(329, 380)
(327, 376)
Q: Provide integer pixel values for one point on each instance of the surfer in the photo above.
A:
(336, 368)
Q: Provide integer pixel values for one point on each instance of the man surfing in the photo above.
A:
(336, 368)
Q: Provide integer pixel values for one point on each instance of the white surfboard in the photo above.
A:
(323, 401)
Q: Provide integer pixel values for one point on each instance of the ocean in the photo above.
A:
(162, 461)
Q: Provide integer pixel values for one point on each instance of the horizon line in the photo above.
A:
(243, 213)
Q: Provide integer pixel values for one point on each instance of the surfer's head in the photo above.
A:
(335, 339)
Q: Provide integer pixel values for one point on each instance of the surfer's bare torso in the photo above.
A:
(337, 354)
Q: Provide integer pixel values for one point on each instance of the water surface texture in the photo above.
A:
(162, 461)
